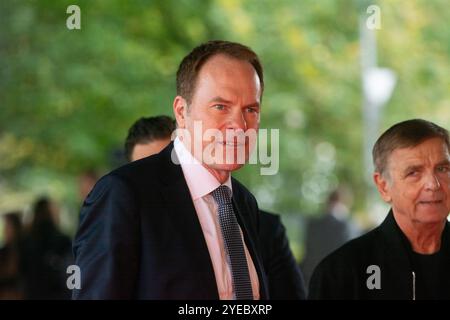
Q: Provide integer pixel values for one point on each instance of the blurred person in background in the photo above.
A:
(86, 182)
(328, 232)
(46, 254)
(10, 277)
(148, 136)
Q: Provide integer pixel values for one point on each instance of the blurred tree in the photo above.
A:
(68, 97)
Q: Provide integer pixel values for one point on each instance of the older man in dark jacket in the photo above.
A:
(408, 255)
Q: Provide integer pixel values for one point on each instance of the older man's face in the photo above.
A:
(227, 97)
(418, 186)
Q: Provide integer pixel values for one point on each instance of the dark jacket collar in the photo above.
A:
(397, 250)
(395, 237)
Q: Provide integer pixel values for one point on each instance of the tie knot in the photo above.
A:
(222, 194)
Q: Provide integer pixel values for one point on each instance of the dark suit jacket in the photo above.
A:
(323, 235)
(140, 238)
(284, 276)
(343, 274)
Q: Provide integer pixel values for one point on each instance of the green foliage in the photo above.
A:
(67, 97)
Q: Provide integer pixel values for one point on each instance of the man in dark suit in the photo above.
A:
(407, 257)
(154, 229)
(148, 136)
(326, 233)
(283, 273)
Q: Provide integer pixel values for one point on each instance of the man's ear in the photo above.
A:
(383, 186)
(179, 110)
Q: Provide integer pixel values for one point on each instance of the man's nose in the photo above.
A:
(237, 120)
(432, 182)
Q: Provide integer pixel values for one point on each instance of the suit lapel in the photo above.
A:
(177, 197)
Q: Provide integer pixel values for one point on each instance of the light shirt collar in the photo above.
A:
(199, 180)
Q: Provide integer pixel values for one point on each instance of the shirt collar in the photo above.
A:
(199, 180)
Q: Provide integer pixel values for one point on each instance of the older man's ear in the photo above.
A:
(383, 186)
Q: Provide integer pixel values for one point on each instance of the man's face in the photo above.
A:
(418, 182)
(142, 150)
(227, 97)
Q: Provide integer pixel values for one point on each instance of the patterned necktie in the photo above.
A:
(233, 244)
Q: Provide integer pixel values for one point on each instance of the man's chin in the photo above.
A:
(432, 216)
(226, 166)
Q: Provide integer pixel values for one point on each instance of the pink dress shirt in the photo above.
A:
(201, 183)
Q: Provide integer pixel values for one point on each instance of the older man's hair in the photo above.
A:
(146, 130)
(191, 65)
(406, 134)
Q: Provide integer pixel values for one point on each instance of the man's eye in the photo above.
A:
(219, 106)
(411, 173)
(252, 110)
(443, 169)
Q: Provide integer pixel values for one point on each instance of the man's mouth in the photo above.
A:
(231, 144)
(430, 202)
